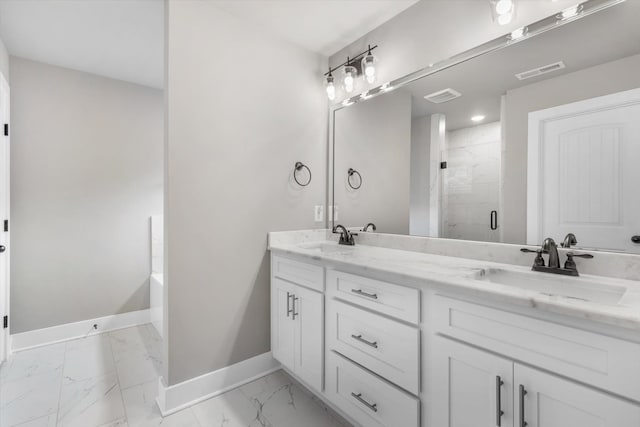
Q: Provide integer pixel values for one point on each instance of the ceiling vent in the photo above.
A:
(441, 96)
(540, 70)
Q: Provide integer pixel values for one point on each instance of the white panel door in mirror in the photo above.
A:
(588, 175)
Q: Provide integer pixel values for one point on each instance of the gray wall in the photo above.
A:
(600, 80)
(374, 138)
(86, 174)
(239, 116)
(419, 187)
(4, 60)
(434, 30)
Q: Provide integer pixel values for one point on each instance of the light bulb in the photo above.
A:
(477, 118)
(368, 65)
(505, 19)
(349, 78)
(504, 6)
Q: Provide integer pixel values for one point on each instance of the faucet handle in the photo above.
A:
(573, 254)
(570, 264)
(539, 261)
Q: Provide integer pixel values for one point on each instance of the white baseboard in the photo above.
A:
(69, 331)
(182, 395)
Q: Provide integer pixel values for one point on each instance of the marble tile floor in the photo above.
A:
(110, 380)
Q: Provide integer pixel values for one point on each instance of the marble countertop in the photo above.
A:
(448, 273)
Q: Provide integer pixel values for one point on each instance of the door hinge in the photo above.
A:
(5, 322)
(6, 129)
(443, 165)
(6, 225)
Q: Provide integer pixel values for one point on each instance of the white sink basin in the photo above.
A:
(554, 285)
(326, 247)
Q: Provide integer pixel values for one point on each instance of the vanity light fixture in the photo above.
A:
(349, 74)
(478, 118)
(330, 87)
(369, 67)
(362, 64)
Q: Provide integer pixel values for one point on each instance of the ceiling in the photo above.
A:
(320, 26)
(583, 43)
(125, 39)
(119, 39)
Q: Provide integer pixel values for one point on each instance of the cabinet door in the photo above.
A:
(544, 400)
(308, 313)
(471, 388)
(283, 325)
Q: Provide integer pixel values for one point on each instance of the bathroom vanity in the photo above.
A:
(404, 338)
(431, 321)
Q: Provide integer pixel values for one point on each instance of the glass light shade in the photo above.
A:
(349, 78)
(331, 88)
(369, 68)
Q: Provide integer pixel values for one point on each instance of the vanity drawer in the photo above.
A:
(608, 363)
(301, 273)
(393, 300)
(389, 348)
(369, 400)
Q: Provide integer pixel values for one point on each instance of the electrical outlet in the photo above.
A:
(318, 213)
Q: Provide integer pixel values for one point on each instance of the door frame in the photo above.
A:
(536, 126)
(4, 298)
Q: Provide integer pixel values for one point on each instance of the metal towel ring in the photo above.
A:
(298, 167)
(351, 172)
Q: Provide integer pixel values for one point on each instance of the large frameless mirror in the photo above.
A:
(537, 136)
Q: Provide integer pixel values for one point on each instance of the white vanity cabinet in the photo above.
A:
(478, 388)
(297, 320)
(388, 355)
(373, 350)
(545, 400)
(502, 390)
(474, 387)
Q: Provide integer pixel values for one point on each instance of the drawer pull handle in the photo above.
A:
(372, 406)
(364, 294)
(523, 392)
(373, 344)
(499, 411)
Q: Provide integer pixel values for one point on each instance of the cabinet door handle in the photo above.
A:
(289, 310)
(493, 220)
(364, 294)
(295, 313)
(523, 393)
(499, 411)
(373, 344)
(358, 397)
